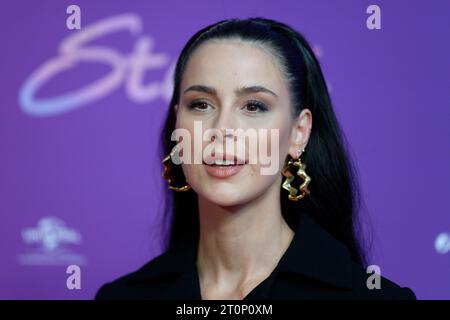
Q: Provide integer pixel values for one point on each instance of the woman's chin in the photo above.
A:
(225, 197)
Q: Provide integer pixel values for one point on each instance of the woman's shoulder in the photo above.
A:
(147, 282)
(368, 283)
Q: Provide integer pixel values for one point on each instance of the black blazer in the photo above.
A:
(315, 266)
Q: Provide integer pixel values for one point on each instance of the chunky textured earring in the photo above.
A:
(167, 175)
(293, 192)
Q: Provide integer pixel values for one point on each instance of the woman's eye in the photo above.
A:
(255, 106)
(199, 105)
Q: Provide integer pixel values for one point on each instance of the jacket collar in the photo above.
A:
(313, 253)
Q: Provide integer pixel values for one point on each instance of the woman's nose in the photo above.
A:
(224, 135)
(225, 123)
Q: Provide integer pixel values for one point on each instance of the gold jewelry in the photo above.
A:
(290, 177)
(167, 175)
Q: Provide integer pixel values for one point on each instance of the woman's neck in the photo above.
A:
(241, 243)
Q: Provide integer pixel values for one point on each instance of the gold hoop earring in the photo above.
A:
(293, 192)
(167, 175)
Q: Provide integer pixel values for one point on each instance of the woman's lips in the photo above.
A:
(223, 172)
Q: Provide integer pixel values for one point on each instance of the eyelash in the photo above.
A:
(262, 106)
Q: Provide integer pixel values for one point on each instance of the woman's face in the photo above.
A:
(223, 67)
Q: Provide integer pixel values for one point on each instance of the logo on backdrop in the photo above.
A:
(442, 243)
(50, 243)
(127, 69)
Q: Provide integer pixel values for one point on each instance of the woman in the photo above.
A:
(235, 231)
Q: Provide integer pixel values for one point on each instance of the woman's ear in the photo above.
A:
(175, 107)
(300, 133)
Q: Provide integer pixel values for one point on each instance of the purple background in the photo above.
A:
(96, 167)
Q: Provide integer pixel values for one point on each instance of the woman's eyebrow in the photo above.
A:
(239, 91)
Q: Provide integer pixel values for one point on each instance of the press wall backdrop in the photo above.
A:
(81, 110)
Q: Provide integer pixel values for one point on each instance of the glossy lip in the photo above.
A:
(223, 172)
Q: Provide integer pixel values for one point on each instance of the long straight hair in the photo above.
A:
(334, 199)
